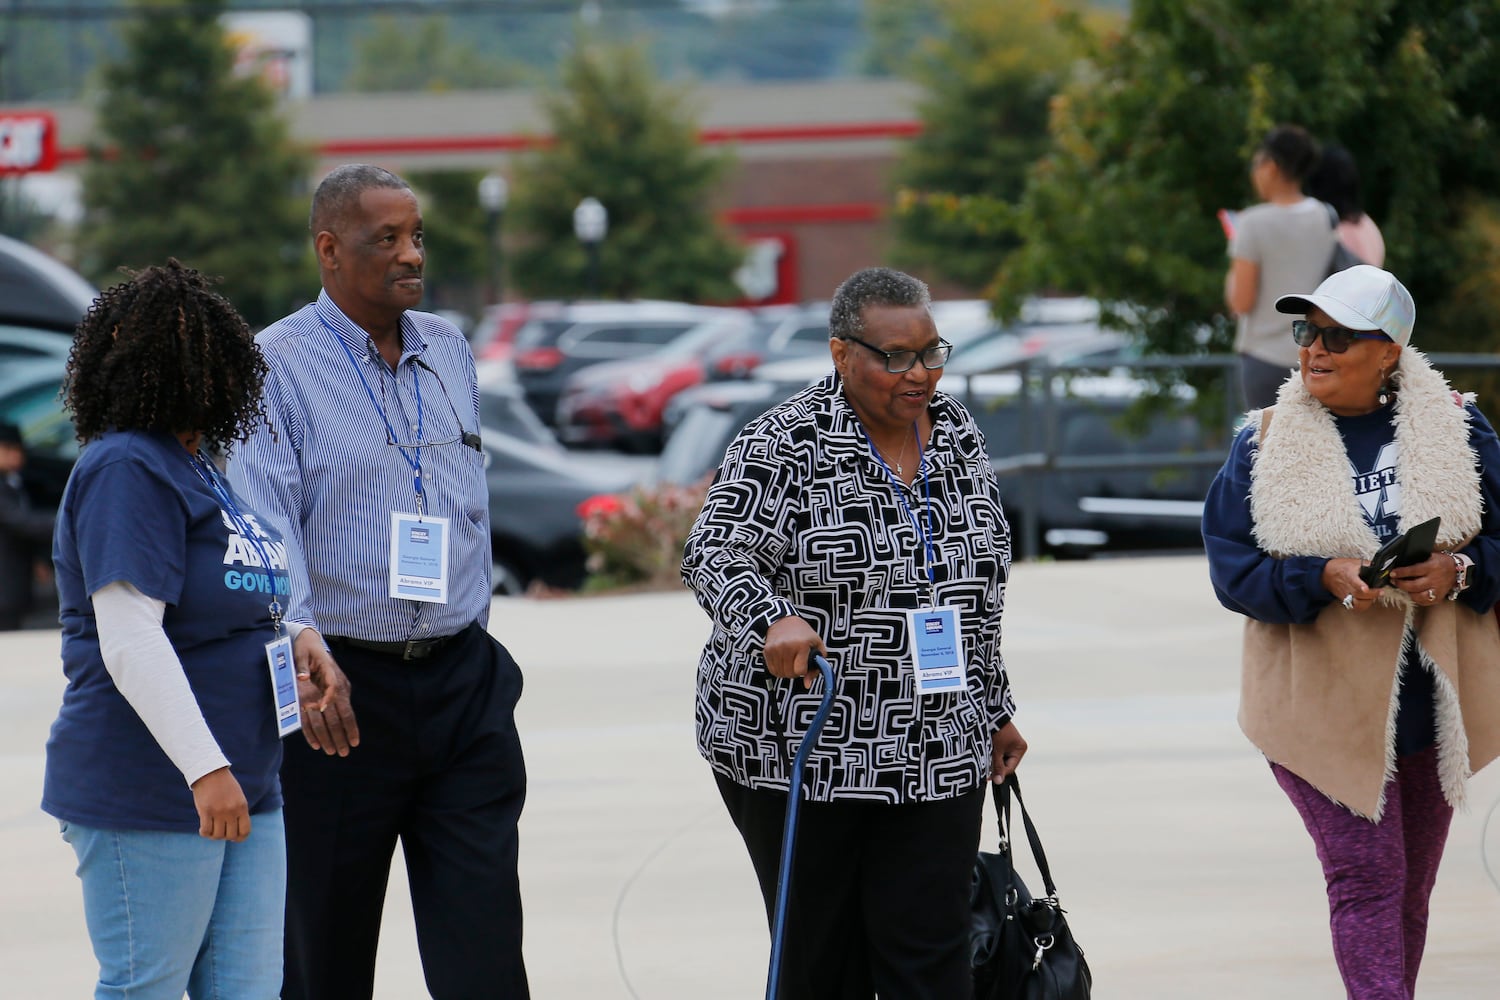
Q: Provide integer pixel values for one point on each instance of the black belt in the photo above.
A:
(411, 649)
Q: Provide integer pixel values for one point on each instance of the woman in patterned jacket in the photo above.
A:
(861, 518)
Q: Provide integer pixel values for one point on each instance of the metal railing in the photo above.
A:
(1043, 386)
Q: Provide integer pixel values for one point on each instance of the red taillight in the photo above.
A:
(539, 359)
(495, 350)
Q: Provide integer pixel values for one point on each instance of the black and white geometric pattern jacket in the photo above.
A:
(802, 519)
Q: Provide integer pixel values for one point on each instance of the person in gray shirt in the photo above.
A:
(1281, 245)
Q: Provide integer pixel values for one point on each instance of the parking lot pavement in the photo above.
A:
(1184, 871)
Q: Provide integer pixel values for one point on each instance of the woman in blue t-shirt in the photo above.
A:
(162, 764)
(1373, 699)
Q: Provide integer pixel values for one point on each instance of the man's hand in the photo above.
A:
(1007, 747)
(223, 813)
(327, 715)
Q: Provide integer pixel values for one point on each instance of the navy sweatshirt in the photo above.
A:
(1291, 591)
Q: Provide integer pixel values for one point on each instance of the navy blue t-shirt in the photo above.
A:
(1370, 443)
(136, 510)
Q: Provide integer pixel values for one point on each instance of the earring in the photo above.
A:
(1384, 396)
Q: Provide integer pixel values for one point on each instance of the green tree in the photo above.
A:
(987, 80)
(1157, 136)
(454, 230)
(894, 31)
(194, 162)
(621, 138)
(416, 53)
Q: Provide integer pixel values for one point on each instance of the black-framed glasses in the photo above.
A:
(897, 362)
(1336, 339)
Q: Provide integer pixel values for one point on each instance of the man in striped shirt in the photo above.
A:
(375, 478)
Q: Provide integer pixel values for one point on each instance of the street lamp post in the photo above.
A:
(493, 194)
(590, 223)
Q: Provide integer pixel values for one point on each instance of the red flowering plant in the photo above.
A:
(635, 539)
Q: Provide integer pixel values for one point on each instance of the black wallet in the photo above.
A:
(1411, 546)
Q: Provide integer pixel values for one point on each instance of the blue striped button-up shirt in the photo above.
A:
(330, 479)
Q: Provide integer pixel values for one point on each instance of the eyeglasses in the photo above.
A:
(1336, 339)
(897, 362)
(468, 438)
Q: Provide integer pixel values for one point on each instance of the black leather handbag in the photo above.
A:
(1022, 947)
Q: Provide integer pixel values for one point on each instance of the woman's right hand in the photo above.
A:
(789, 642)
(223, 813)
(1341, 578)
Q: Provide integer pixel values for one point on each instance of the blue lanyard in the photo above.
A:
(900, 489)
(414, 462)
(210, 477)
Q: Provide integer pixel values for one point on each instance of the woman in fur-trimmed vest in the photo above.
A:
(1373, 704)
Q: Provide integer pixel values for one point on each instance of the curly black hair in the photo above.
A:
(163, 351)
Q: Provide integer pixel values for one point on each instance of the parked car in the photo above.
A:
(779, 335)
(550, 348)
(29, 399)
(621, 403)
(38, 291)
(1096, 496)
(503, 407)
(535, 531)
(41, 302)
(21, 342)
(494, 334)
(711, 418)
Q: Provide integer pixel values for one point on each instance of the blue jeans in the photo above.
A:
(170, 913)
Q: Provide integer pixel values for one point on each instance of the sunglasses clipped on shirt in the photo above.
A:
(1336, 339)
(897, 362)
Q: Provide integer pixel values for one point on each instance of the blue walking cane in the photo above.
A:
(789, 833)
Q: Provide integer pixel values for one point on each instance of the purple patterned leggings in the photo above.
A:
(1379, 875)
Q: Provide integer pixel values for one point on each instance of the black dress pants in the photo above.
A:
(438, 767)
(879, 901)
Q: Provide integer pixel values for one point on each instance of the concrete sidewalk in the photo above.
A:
(1185, 872)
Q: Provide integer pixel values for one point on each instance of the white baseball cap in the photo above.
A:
(1362, 297)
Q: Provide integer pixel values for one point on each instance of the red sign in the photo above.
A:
(768, 274)
(28, 142)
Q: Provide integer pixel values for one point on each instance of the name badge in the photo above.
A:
(937, 649)
(284, 685)
(419, 558)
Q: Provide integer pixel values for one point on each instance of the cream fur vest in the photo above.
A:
(1321, 699)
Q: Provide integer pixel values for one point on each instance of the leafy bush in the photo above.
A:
(635, 539)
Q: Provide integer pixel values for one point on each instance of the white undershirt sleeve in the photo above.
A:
(145, 668)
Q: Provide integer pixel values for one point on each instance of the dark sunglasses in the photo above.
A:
(1336, 339)
(897, 362)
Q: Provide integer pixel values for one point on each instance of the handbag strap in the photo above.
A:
(1002, 794)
